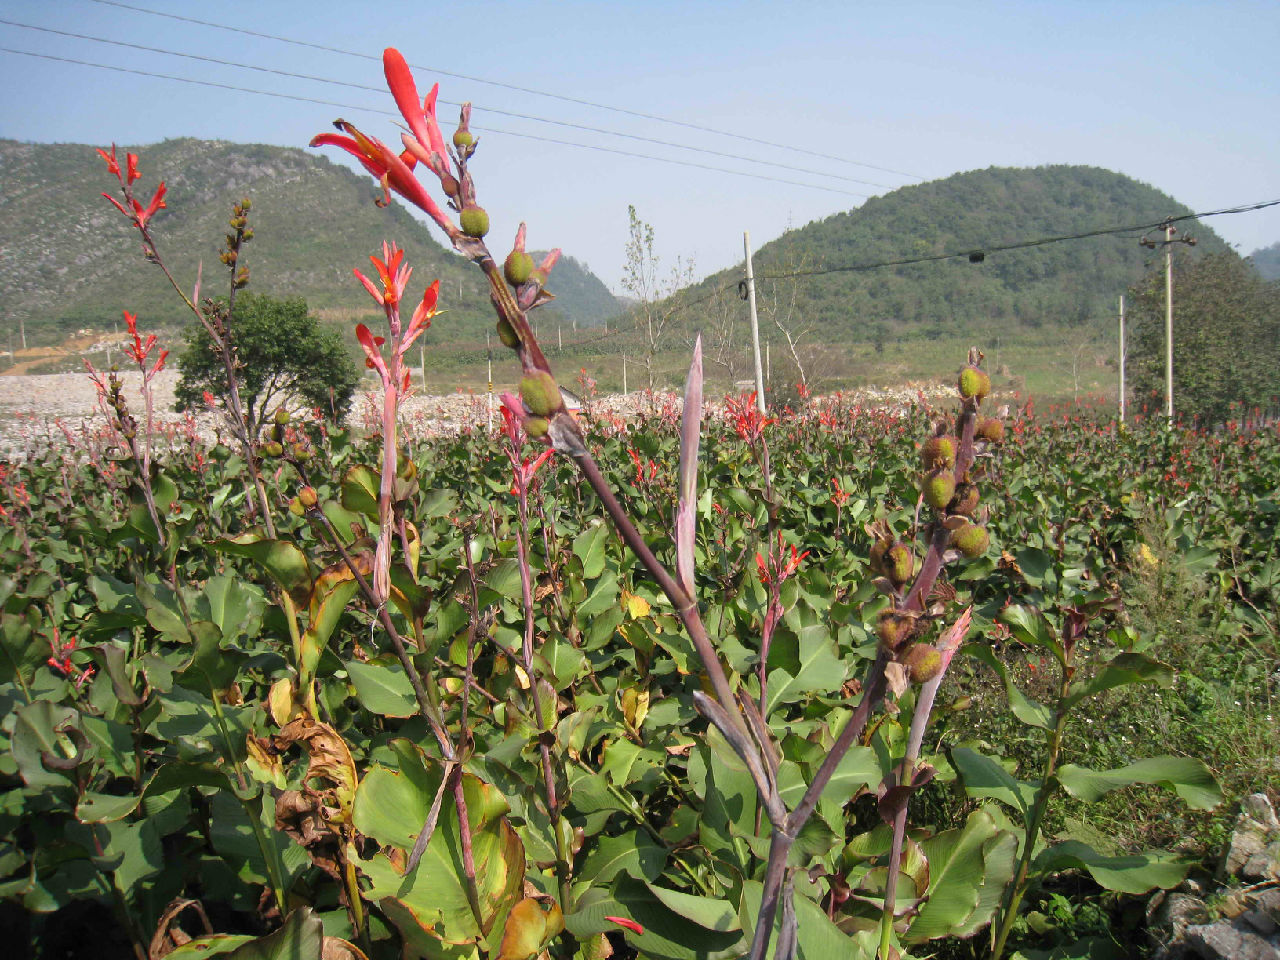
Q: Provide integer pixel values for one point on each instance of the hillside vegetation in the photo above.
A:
(70, 260)
(1061, 283)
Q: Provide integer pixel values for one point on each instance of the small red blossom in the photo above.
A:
(841, 496)
(629, 924)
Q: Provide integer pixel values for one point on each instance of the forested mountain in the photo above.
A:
(1069, 282)
(68, 260)
(1267, 261)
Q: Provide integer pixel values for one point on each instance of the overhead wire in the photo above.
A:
(391, 113)
(514, 87)
(497, 111)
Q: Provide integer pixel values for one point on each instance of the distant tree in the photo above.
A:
(658, 298)
(1226, 336)
(286, 358)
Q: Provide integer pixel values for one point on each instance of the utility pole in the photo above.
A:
(559, 339)
(488, 395)
(1168, 242)
(624, 374)
(422, 359)
(1122, 358)
(755, 324)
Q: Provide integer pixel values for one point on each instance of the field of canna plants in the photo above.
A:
(721, 680)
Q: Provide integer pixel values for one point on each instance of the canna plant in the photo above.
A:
(457, 718)
(739, 718)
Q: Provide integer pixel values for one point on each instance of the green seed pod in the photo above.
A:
(463, 139)
(965, 500)
(878, 550)
(938, 452)
(939, 487)
(517, 268)
(507, 334)
(991, 430)
(308, 497)
(971, 540)
(301, 452)
(894, 627)
(272, 449)
(540, 394)
(474, 221)
(296, 507)
(282, 416)
(537, 427)
(899, 563)
(974, 382)
(923, 662)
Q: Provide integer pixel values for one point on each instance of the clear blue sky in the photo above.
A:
(1184, 96)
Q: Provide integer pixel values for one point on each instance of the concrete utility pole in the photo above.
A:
(488, 395)
(1167, 243)
(1122, 359)
(624, 374)
(755, 324)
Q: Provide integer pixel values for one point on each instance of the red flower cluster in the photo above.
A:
(139, 214)
(139, 351)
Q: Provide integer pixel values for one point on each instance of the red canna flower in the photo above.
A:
(629, 924)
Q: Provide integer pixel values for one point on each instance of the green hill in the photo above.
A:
(1063, 283)
(68, 260)
(1267, 261)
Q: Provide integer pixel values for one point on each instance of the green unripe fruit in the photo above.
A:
(463, 139)
(974, 382)
(894, 628)
(923, 662)
(272, 449)
(878, 550)
(899, 563)
(537, 427)
(938, 452)
(307, 497)
(517, 268)
(971, 540)
(301, 452)
(282, 416)
(965, 501)
(507, 334)
(938, 488)
(991, 430)
(296, 508)
(540, 394)
(474, 221)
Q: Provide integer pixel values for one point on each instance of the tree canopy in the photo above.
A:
(286, 358)
(1226, 336)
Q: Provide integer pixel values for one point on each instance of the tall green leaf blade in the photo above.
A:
(1187, 777)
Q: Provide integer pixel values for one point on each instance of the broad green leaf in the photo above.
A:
(101, 808)
(1187, 777)
(959, 869)
(504, 579)
(301, 936)
(38, 732)
(282, 561)
(1135, 873)
(234, 606)
(1125, 669)
(383, 688)
(817, 667)
(668, 934)
(1031, 627)
(1031, 712)
(984, 777)
(589, 547)
(430, 906)
(360, 488)
(633, 853)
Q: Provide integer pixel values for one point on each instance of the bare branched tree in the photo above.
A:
(658, 299)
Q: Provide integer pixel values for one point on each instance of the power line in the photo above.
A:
(515, 87)
(977, 254)
(494, 110)
(391, 113)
